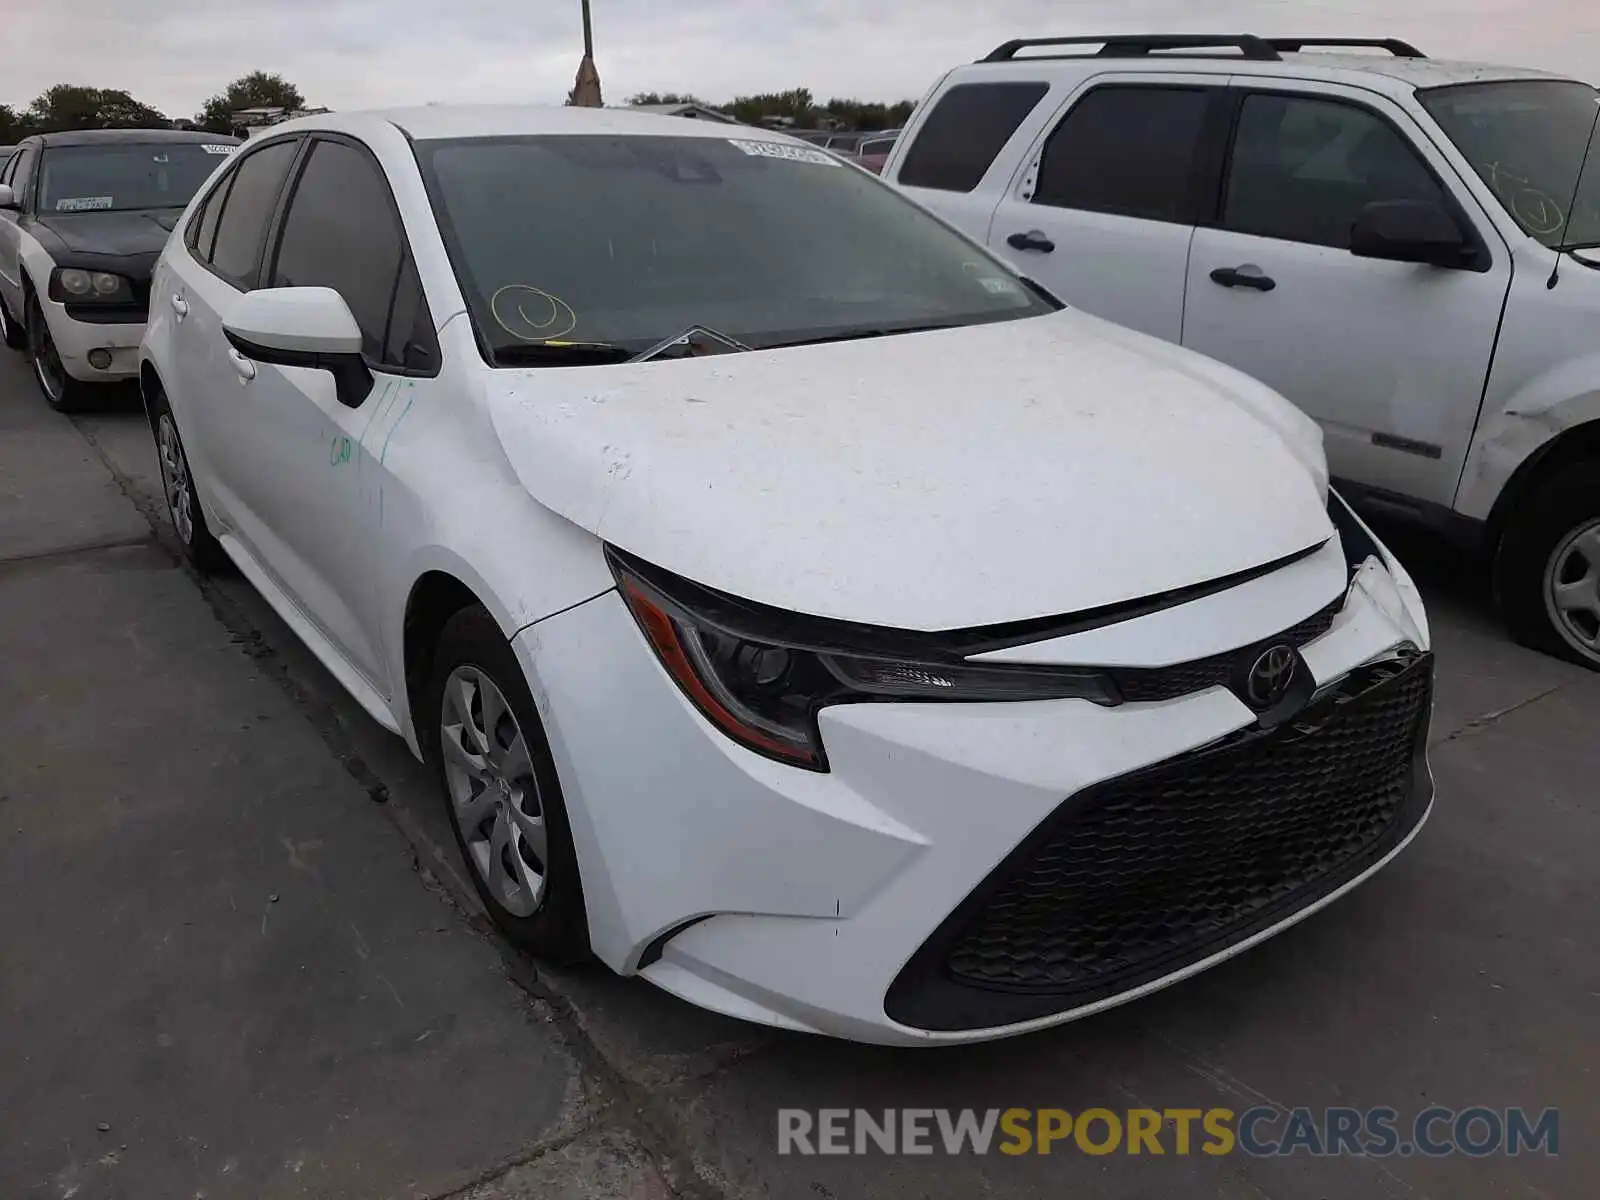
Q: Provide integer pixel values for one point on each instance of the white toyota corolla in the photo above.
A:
(800, 608)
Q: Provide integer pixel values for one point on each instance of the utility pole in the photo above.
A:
(586, 90)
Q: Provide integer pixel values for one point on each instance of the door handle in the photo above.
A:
(180, 306)
(241, 364)
(1246, 277)
(1032, 240)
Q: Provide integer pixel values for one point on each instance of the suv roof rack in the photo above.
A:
(1258, 49)
(1133, 45)
(1394, 46)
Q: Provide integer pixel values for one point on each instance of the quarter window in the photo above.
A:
(203, 228)
(966, 129)
(1130, 151)
(241, 228)
(1302, 169)
(341, 231)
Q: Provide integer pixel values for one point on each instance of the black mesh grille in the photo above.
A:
(1134, 878)
(1167, 683)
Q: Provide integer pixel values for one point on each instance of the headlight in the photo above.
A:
(761, 676)
(71, 285)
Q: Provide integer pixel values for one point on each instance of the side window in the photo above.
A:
(202, 231)
(410, 341)
(1302, 169)
(241, 227)
(341, 231)
(1131, 151)
(967, 127)
(22, 174)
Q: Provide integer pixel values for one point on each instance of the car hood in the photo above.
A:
(926, 481)
(114, 234)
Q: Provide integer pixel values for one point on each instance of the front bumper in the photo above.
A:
(77, 340)
(894, 898)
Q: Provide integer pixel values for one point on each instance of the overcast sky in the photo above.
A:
(362, 53)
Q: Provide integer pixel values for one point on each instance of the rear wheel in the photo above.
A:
(1547, 571)
(61, 391)
(177, 484)
(482, 732)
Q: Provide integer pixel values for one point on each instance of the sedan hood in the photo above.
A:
(926, 481)
(114, 234)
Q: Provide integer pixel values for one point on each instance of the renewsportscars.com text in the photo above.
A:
(1263, 1132)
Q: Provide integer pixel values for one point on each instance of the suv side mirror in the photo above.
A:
(1413, 231)
(8, 197)
(302, 327)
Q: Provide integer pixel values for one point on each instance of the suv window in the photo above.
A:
(22, 173)
(965, 130)
(241, 227)
(1130, 151)
(341, 231)
(1302, 169)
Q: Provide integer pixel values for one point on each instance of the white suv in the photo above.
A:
(1403, 247)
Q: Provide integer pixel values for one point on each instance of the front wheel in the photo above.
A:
(482, 733)
(61, 391)
(1547, 571)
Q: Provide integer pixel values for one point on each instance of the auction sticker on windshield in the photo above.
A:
(83, 203)
(209, 148)
(791, 153)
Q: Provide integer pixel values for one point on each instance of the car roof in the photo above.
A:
(510, 120)
(125, 137)
(1389, 72)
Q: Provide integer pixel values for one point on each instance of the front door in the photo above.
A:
(306, 468)
(1389, 358)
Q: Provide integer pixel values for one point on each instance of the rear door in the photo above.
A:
(18, 172)
(1105, 204)
(1390, 358)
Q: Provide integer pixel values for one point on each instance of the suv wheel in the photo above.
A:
(482, 733)
(1547, 571)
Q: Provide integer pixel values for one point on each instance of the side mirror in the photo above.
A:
(302, 327)
(1413, 231)
(8, 197)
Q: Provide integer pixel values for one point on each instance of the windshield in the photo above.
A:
(628, 240)
(1526, 139)
(127, 175)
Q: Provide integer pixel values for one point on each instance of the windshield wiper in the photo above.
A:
(858, 334)
(558, 354)
(686, 340)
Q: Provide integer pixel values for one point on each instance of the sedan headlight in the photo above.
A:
(761, 675)
(72, 285)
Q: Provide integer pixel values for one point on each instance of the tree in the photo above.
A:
(255, 90)
(12, 126)
(68, 106)
(663, 98)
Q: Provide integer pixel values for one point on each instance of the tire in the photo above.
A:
(501, 789)
(1547, 569)
(188, 519)
(12, 332)
(61, 391)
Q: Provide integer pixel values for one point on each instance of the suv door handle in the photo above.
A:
(241, 364)
(180, 306)
(1246, 276)
(1032, 240)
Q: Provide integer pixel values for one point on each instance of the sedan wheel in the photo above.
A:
(60, 389)
(494, 791)
(1572, 589)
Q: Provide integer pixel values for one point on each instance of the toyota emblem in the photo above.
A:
(1270, 676)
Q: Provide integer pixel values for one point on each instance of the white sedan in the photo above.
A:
(801, 609)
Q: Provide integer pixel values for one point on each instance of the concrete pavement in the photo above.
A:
(1465, 974)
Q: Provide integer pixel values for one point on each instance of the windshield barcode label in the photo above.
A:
(209, 148)
(83, 203)
(790, 153)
